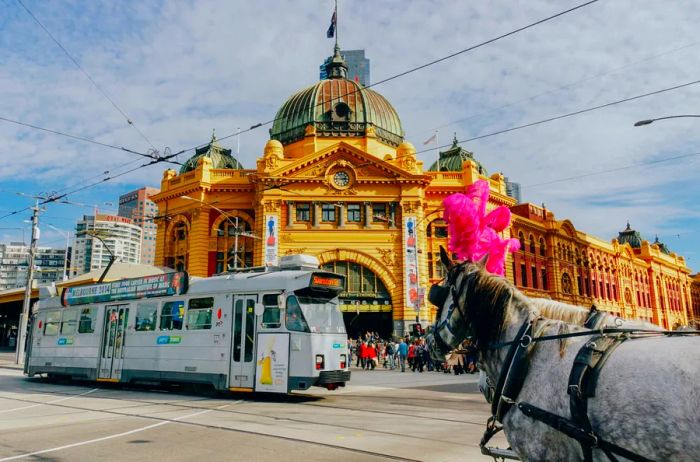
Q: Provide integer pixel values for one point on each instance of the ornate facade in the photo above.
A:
(338, 180)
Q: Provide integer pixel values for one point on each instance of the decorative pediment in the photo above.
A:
(358, 166)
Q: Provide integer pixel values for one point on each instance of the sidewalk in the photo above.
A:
(7, 359)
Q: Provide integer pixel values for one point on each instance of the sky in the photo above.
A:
(180, 69)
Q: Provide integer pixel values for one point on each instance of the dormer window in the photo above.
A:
(341, 111)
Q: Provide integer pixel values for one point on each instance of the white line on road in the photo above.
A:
(118, 435)
(48, 402)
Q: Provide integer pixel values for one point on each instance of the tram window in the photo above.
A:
(70, 319)
(171, 315)
(294, 317)
(199, 313)
(53, 321)
(87, 321)
(146, 314)
(271, 315)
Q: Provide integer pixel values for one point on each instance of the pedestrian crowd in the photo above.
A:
(370, 351)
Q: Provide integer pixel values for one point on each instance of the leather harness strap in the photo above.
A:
(583, 381)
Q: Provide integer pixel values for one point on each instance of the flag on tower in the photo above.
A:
(331, 29)
(431, 139)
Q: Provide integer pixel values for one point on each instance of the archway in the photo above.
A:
(365, 302)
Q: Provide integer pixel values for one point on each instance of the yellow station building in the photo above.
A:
(337, 180)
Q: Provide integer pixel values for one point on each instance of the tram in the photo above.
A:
(274, 329)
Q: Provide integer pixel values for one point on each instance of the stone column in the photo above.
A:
(317, 214)
(368, 214)
(199, 243)
(392, 216)
(290, 214)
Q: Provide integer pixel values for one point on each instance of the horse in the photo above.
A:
(645, 401)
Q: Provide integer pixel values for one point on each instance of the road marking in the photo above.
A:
(118, 435)
(48, 402)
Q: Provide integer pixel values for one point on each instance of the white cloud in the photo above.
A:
(182, 69)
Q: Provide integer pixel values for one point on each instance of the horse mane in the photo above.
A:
(551, 309)
(495, 293)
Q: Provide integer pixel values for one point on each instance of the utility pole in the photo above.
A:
(24, 318)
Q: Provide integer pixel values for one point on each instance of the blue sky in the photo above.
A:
(181, 69)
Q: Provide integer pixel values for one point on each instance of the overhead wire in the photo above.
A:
(563, 116)
(566, 86)
(157, 159)
(409, 71)
(75, 61)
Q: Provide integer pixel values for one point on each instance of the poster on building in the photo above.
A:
(411, 263)
(271, 238)
(272, 365)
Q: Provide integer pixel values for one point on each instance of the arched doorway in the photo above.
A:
(234, 245)
(365, 302)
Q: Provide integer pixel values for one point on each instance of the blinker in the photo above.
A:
(438, 294)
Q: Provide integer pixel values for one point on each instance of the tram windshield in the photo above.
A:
(321, 312)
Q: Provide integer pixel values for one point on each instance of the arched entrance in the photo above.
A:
(365, 302)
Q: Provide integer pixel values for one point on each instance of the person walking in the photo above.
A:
(390, 352)
(403, 354)
(371, 356)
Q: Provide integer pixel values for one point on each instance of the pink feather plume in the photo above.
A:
(473, 233)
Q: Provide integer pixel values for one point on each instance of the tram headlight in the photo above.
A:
(319, 362)
(343, 361)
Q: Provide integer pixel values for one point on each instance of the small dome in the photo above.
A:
(274, 147)
(663, 247)
(630, 236)
(337, 107)
(452, 159)
(220, 157)
(405, 149)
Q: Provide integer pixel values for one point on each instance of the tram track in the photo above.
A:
(211, 427)
(116, 411)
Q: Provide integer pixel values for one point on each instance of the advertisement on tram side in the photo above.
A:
(272, 365)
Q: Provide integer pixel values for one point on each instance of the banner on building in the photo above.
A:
(271, 238)
(411, 281)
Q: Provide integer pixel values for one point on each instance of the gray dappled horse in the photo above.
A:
(646, 399)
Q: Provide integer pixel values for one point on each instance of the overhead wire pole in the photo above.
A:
(24, 318)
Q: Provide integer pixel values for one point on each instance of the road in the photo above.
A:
(381, 415)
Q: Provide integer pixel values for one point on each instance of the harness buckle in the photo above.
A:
(525, 341)
(507, 400)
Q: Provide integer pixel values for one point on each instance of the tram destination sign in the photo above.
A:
(158, 285)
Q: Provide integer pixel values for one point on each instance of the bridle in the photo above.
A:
(444, 334)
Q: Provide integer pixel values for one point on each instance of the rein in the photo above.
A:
(608, 330)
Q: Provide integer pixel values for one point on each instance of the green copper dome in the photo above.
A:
(630, 236)
(220, 157)
(337, 107)
(452, 159)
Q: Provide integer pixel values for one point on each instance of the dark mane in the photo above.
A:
(487, 298)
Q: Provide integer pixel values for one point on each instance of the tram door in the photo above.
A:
(112, 351)
(242, 374)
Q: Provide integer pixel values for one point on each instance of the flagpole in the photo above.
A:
(437, 148)
(336, 23)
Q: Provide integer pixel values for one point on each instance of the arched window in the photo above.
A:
(361, 283)
(532, 244)
(566, 286)
(542, 248)
(178, 247)
(521, 238)
(234, 245)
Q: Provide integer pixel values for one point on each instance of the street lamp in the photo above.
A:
(233, 221)
(649, 121)
(65, 257)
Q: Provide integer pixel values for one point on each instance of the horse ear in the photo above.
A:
(445, 259)
(483, 260)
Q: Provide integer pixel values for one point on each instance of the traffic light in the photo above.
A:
(417, 330)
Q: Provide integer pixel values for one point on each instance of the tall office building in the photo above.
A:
(138, 206)
(48, 263)
(513, 190)
(118, 236)
(358, 66)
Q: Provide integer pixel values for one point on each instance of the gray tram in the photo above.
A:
(274, 329)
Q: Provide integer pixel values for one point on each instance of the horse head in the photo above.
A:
(457, 318)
